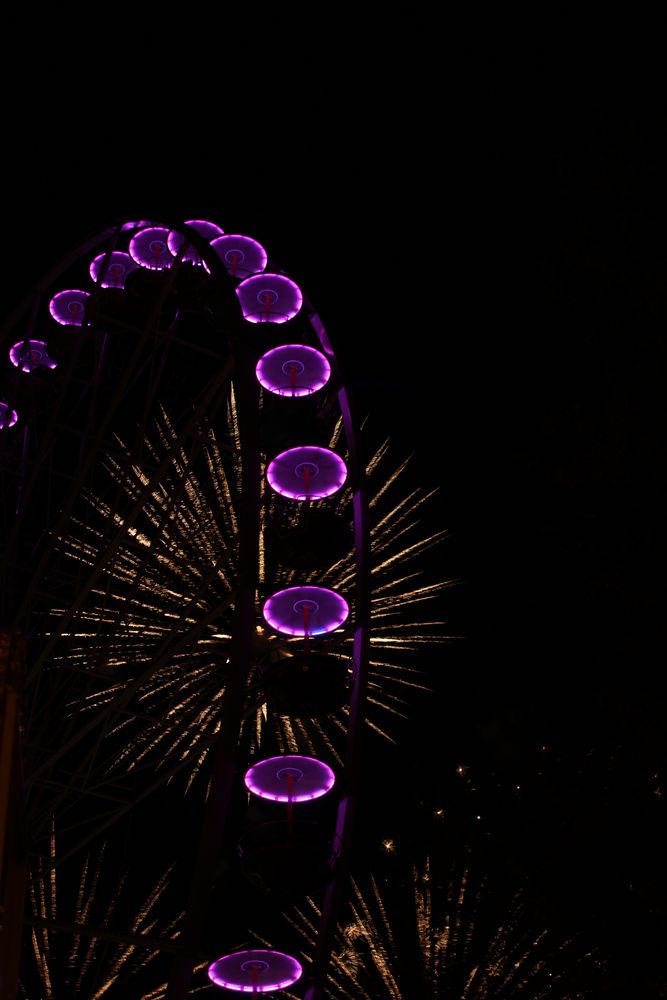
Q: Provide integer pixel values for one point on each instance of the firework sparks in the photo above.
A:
(91, 966)
(130, 613)
(443, 938)
(145, 655)
(177, 565)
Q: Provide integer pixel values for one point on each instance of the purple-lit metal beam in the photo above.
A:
(136, 940)
(317, 973)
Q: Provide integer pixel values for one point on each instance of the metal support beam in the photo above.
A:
(148, 941)
(317, 974)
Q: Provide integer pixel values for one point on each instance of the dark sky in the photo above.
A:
(487, 237)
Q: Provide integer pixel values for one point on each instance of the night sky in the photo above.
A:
(486, 242)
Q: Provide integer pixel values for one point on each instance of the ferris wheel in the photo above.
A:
(186, 586)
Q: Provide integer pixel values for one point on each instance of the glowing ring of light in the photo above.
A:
(311, 779)
(257, 970)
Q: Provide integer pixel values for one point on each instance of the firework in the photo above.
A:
(170, 584)
(436, 937)
(76, 951)
(142, 661)
(129, 608)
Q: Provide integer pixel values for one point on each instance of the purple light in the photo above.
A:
(208, 229)
(133, 225)
(7, 417)
(30, 354)
(305, 610)
(111, 269)
(255, 971)
(290, 778)
(293, 370)
(241, 255)
(269, 298)
(149, 248)
(69, 308)
(306, 473)
(175, 240)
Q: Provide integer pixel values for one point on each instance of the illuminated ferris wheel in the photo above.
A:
(186, 592)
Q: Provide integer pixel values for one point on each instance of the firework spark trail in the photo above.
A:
(92, 944)
(163, 576)
(63, 967)
(159, 991)
(140, 924)
(83, 908)
(468, 944)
